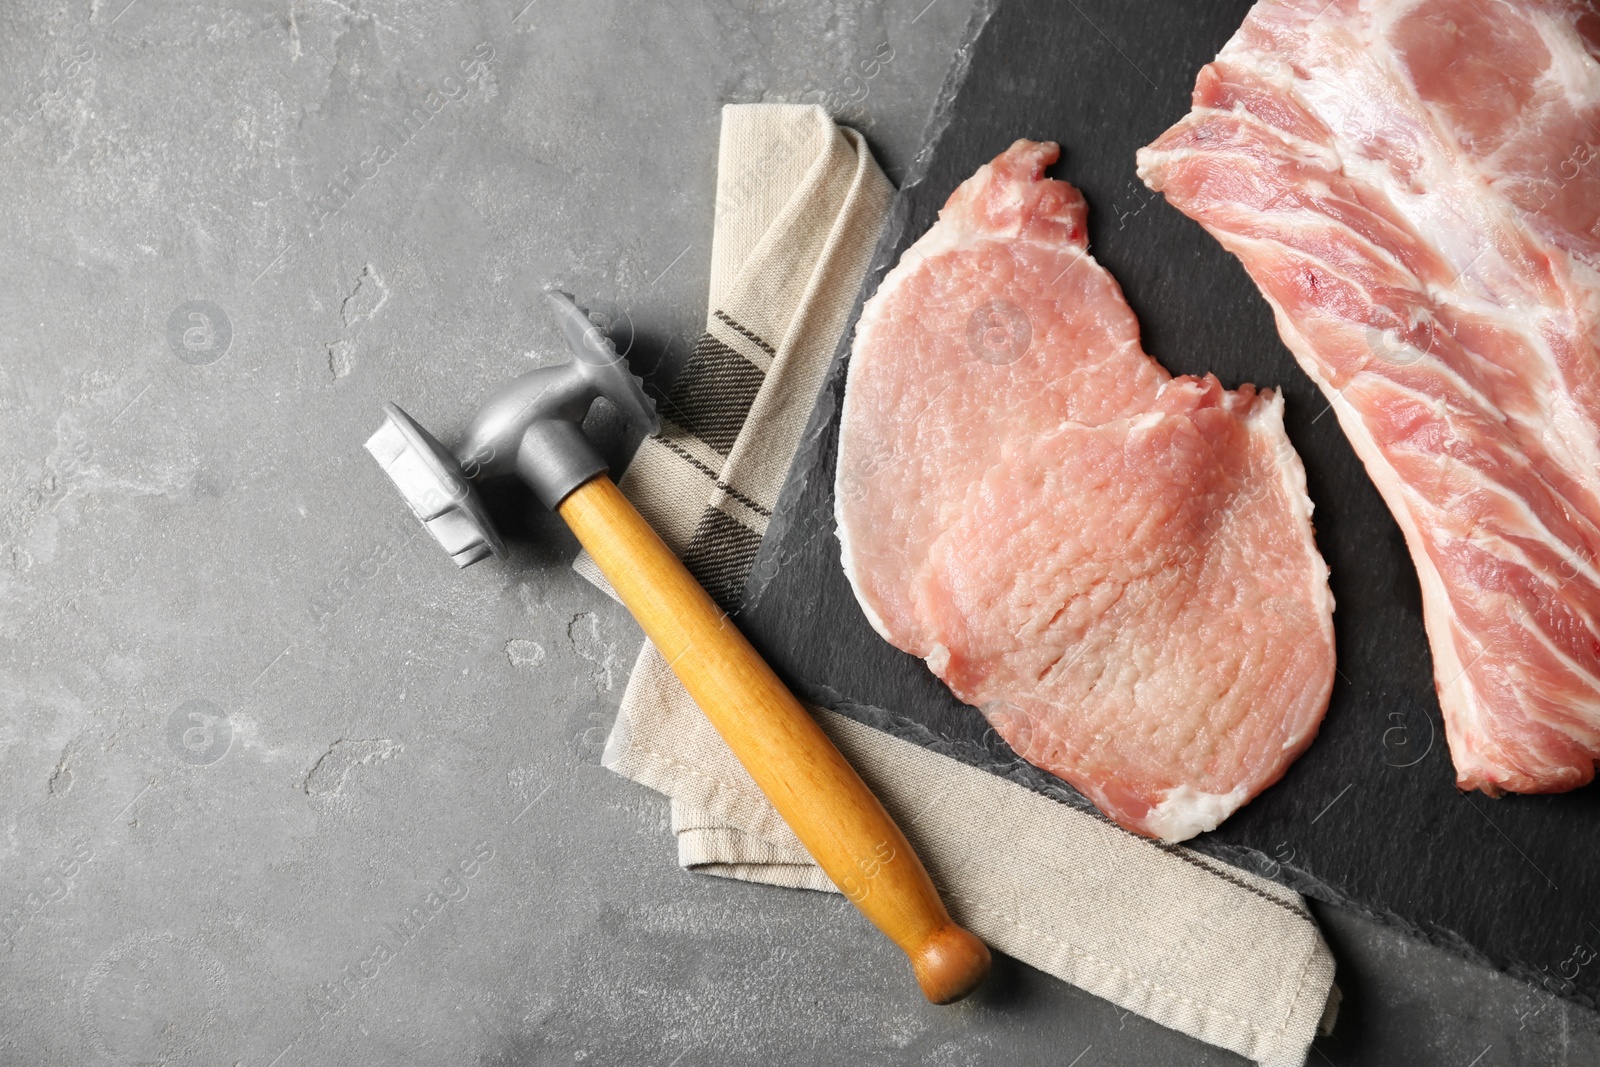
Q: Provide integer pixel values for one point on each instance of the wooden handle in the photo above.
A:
(826, 804)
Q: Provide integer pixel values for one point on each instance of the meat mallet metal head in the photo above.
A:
(531, 426)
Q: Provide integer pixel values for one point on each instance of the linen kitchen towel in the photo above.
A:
(1180, 938)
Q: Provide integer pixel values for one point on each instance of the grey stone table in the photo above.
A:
(277, 785)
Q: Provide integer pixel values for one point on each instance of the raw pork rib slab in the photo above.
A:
(1115, 565)
(1414, 186)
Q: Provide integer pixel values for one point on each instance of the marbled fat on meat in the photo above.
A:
(1414, 186)
(1116, 566)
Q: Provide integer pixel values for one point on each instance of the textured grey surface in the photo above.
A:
(277, 784)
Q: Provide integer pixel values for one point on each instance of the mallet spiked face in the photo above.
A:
(532, 427)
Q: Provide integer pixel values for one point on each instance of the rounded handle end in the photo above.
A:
(950, 964)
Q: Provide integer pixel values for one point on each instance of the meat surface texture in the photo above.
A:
(1414, 186)
(1116, 566)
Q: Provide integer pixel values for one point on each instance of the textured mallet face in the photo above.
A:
(433, 487)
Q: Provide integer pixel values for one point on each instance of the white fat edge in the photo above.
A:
(1267, 419)
(1186, 811)
(867, 607)
(1457, 701)
(941, 239)
(847, 556)
(1147, 160)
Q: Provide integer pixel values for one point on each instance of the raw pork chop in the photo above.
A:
(1115, 565)
(1414, 186)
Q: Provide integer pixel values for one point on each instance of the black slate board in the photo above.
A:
(1369, 817)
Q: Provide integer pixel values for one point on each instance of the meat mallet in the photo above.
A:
(531, 427)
